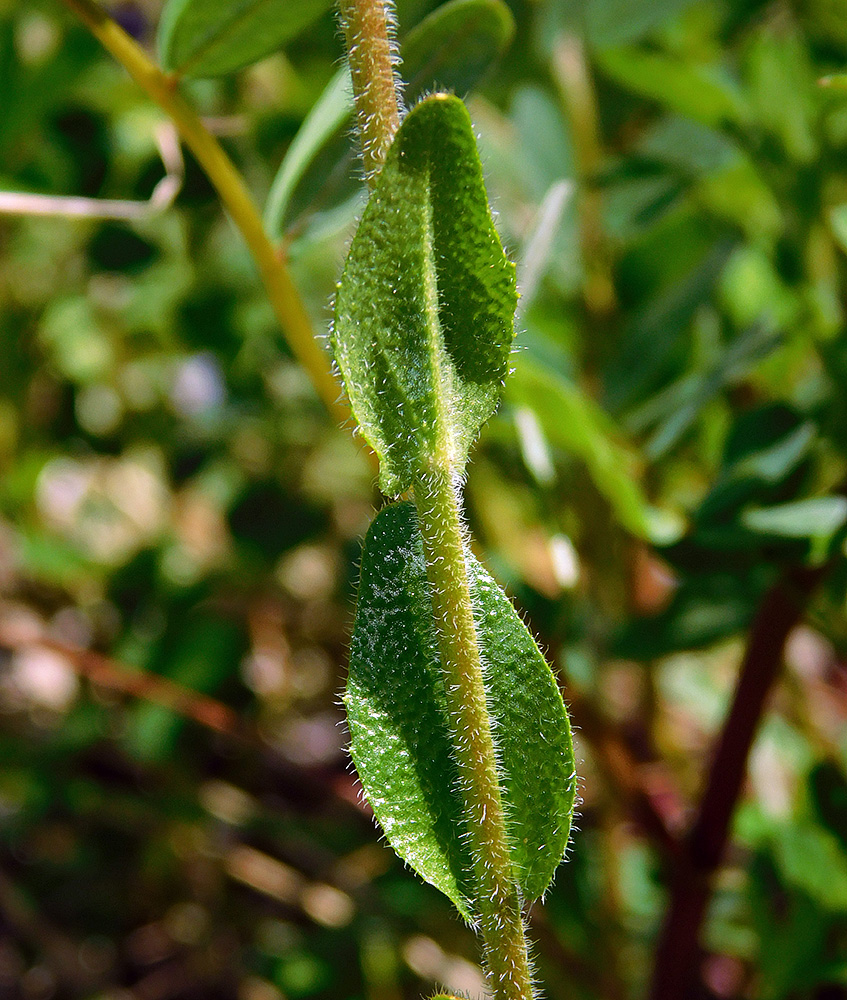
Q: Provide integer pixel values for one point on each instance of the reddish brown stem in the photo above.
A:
(781, 610)
(105, 672)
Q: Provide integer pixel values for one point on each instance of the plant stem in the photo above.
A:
(497, 902)
(367, 31)
(572, 76)
(781, 609)
(497, 898)
(284, 297)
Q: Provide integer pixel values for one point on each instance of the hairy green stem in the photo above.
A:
(370, 50)
(497, 902)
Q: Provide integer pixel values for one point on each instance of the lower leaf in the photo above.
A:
(400, 735)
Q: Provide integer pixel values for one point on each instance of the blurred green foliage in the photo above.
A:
(672, 183)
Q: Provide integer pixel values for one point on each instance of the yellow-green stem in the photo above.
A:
(497, 900)
(284, 297)
(497, 903)
(572, 75)
(367, 32)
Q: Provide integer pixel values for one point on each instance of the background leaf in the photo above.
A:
(453, 47)
(425, 268)
(397, 712)
(700, 92)
(577, 425)
(449, 50)
(202, 38)
(811, 518)
(325, 133)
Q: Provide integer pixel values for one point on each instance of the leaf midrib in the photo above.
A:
(445, 444)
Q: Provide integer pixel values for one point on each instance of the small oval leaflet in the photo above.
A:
(207, 38)
(400, 735)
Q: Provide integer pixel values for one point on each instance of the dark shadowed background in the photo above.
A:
(661, 492)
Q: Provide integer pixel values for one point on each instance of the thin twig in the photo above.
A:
(106, 673)
(782, 608)
(282, 292)
(70, 206)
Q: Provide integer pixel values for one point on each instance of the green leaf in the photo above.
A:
(781, 86)
(687, 398)
(652, 339)
(326, 123)
(812, 518)
(703, 611)
(576, 424)
(828, 793)
(204, 38)
(812, 860)
(454, 46)
(605, 23)
(700, 92)
(400, 733)
(773, 463)
(838, 225)
(617, 22)
(450, 50)
(424, 311)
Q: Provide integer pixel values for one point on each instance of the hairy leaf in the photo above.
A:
(204, 38)
(424, 311)
(400, 733)
(450, 49)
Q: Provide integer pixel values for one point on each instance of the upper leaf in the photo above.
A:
(203, 38)
(424, 311)
(400, 732)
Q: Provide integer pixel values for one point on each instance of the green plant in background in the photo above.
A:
(670, 178)
(459, 731)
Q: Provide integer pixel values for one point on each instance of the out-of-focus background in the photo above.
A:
(180, 520)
